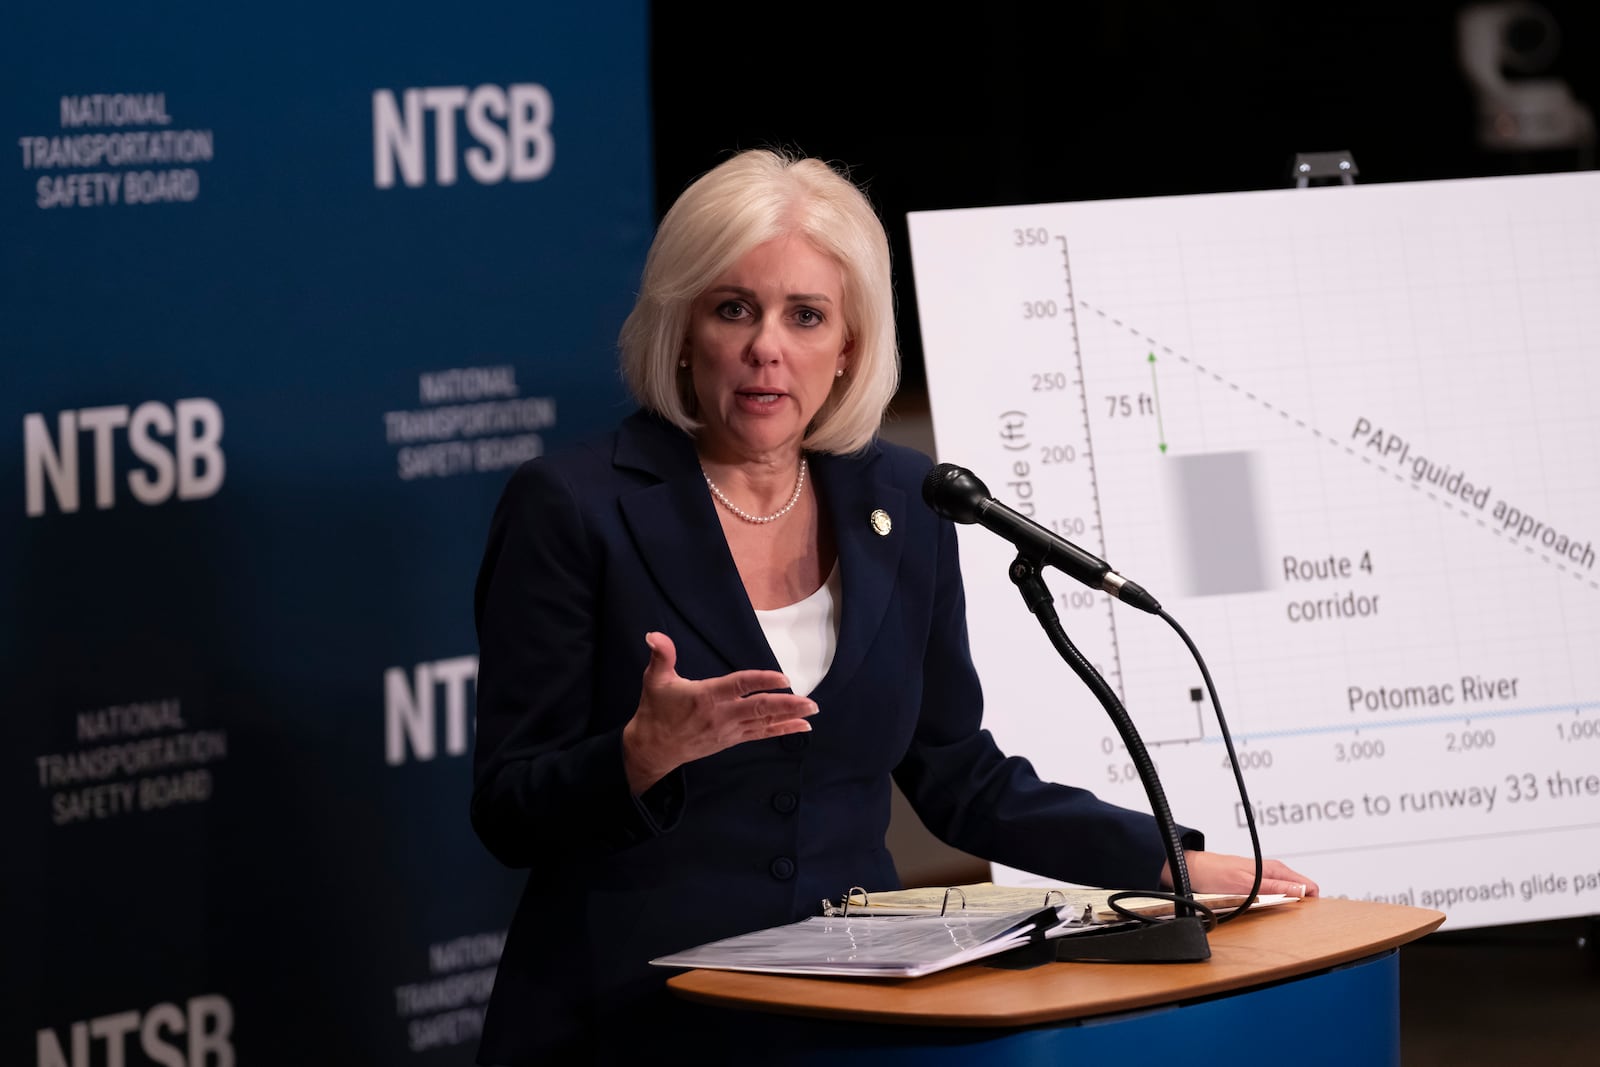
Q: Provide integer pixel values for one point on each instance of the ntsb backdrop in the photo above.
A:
(285, 302)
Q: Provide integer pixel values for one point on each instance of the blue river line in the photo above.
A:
(1547, 709)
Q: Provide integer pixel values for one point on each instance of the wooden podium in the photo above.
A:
(1314, 982)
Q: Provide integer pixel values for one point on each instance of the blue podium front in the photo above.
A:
(1345, 1016)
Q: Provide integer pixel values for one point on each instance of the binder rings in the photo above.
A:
(1090, 904)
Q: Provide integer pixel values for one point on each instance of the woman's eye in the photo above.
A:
(732, 309)
(808, 317)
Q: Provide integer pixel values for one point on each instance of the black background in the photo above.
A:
(1015, 103)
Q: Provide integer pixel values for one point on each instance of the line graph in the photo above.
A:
(1345, 436)
(1399, 476)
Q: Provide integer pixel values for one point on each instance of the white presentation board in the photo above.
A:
(1349, 436)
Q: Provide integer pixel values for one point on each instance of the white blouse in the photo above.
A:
(804, 635)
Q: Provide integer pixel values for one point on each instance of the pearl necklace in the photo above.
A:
(799, 484)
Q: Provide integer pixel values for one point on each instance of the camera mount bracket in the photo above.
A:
(1324, 168)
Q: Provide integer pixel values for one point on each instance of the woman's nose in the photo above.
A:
(766, 346)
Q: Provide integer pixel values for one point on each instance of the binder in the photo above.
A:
(873, 946)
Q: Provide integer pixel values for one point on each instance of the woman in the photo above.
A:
(710, 639)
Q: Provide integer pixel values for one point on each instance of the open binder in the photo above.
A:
(874, 946)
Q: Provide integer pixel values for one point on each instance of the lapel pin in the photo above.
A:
(880, 522)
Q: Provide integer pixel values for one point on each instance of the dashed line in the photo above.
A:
(1368, 460)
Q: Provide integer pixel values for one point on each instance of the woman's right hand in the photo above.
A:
(680, 720)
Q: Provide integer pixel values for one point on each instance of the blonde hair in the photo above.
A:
(746, 201)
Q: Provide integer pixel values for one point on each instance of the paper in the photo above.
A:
(987, 898)
(862, 946)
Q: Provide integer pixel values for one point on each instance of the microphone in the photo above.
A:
(958, 494)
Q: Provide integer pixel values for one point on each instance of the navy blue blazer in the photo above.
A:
(591, 548)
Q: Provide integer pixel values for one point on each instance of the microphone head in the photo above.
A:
(954, 492)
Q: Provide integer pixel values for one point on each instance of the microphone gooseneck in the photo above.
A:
(959, 495)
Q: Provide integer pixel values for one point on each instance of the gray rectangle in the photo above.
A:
(1219, 537)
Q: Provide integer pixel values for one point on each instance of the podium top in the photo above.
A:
(1261, 947)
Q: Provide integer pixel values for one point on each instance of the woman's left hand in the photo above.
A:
(1218, 872)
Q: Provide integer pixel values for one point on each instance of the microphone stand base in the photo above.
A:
(1180, 940)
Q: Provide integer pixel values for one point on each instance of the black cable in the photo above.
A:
(1207, 916)
(1233, 761)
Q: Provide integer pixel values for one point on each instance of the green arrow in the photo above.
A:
(1156, 387)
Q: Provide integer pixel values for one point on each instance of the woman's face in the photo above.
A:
(765, 343)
